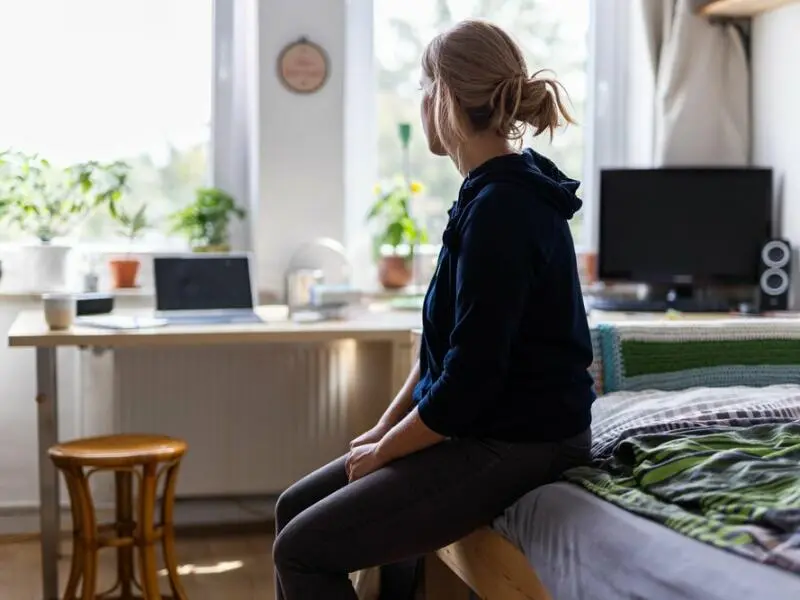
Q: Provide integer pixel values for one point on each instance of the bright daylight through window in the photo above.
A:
(94, 80)
(553, 34)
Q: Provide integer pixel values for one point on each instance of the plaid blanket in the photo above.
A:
(735, 488)
(621, 415)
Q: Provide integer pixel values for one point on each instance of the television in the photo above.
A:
(683, 228)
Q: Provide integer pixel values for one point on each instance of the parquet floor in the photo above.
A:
(231, 567)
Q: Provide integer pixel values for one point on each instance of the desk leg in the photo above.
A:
(50, 509)
(403, 357)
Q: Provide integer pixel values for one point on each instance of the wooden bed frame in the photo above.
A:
(486, 564)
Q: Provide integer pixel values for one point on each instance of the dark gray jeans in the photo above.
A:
(327, 528)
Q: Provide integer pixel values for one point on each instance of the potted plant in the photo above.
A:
(132, 224)
(47, 202)
(398, 233)
(206, 221)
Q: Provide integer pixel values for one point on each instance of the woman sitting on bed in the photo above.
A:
(499, 402)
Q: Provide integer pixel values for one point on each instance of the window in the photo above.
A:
(553, 34)
(100, 80)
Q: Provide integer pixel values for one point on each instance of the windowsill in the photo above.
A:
(103, 247)
(23, 294)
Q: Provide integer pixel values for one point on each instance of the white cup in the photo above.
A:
(59, 310)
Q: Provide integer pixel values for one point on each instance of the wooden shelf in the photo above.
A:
(742, 8)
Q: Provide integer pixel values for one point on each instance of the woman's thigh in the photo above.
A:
(414, 505)
(309, 490)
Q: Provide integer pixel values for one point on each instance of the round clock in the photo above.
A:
(303, 67)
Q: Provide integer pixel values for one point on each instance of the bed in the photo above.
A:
(585, 548)
(670, 386)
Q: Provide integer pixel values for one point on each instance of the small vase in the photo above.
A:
(47, 265)
(123, 273)
(394, 272)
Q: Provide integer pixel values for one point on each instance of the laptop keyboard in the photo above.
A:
(213, 319)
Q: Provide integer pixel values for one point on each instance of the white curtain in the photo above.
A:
(702, 87)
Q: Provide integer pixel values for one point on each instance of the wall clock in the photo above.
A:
(303, 67)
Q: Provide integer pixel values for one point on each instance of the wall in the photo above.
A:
(776, 113)
(313, 158)
(300, 145)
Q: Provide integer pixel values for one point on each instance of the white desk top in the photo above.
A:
(30, 330)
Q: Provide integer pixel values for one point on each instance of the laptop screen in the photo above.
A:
(203, 283)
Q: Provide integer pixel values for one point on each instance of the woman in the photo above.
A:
(499, 402)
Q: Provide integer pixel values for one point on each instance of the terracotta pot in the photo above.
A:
(394, 272)
(124, 272)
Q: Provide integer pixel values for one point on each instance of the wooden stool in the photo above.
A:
(148, 458)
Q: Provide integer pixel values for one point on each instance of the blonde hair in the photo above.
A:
(479, 82)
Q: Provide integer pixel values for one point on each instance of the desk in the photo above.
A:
(29, 330)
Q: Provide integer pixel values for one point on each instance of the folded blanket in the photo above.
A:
(737, 488)
(620, 415)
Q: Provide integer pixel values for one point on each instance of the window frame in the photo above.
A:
(229, 152)
(232, 110)
(606, 117)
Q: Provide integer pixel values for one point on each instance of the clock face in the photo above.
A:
(303, 67)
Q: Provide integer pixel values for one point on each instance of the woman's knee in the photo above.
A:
(295, 548)
(282, 551)
(308, 491)
(288, 506)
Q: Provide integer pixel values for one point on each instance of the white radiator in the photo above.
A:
(256, 417)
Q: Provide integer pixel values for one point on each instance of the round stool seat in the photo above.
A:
(118, 450)
(140, 464)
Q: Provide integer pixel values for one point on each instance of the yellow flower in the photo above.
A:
(376, 190)
(416, 187)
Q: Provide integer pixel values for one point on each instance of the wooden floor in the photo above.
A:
(237, 567)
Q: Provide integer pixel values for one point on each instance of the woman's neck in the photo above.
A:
(478, 149)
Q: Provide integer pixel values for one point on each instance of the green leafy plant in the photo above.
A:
(132, 224)
(391, 212)
(205, 222)
(48, 201)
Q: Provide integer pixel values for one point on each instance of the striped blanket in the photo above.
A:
(735, 488)
(719, 465)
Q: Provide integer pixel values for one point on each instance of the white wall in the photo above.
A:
(300, 145)
(776, 112)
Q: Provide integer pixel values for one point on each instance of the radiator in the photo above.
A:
(256, 417)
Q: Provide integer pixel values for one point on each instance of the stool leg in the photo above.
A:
(125, 529)
(168, 539)
(146, 533)
(76, 563)
(85, 551)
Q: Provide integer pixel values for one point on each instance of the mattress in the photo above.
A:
(584, 548)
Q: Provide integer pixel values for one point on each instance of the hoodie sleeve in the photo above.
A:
(503, 245)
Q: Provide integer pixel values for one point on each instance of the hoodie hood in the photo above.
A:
(530, 169)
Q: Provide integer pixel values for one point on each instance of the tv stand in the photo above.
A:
(688, 305)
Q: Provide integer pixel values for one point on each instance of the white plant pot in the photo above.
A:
(46, 265)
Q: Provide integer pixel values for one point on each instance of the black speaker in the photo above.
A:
(775, 279)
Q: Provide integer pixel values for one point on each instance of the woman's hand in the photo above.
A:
(373, 436)
(363, 460)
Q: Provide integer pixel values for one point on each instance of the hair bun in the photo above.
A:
(542, 106)
(479, 83)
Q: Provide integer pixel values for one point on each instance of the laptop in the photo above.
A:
(205, 289)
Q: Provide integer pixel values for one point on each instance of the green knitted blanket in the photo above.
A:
(735, 488)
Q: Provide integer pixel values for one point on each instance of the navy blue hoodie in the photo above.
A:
(505, 345)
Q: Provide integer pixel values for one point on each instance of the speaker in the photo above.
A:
(94, 303)
(775, 275)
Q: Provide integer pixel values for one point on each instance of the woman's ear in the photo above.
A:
(428, 111)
